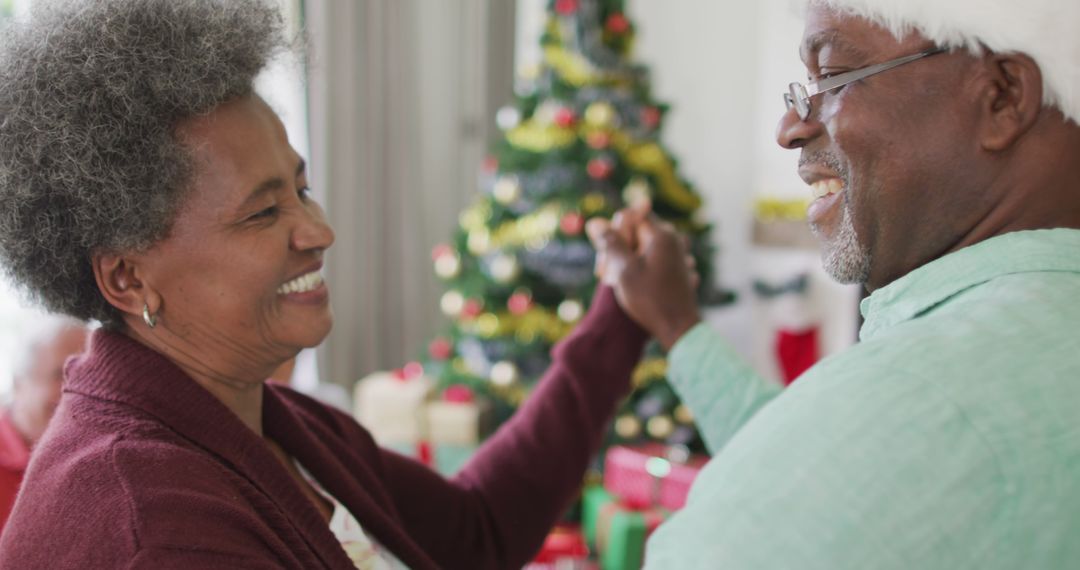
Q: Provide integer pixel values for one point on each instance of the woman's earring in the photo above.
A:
(147, 318)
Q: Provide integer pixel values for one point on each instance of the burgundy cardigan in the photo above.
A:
(143, 468)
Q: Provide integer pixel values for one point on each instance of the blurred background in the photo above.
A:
(396, 107)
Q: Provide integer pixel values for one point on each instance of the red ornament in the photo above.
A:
(458, 394)
(440, 251)
(472, 308)
(408, 372)
(565, 545)
(617, 23)
(440, 349)
(566, 7)
(600, 168)
(413, 370)
(519, 303)
(490, 164)
(650, 117)
(598, 140)
(565, 117)
(424, 454)
(572, 224)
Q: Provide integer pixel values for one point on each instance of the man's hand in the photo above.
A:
(647, 264)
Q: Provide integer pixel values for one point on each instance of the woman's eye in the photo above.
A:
(304, 193)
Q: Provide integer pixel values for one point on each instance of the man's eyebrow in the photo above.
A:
(270, 185)
(814, 43)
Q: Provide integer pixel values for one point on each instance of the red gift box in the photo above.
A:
(648, 475)
(564, 549)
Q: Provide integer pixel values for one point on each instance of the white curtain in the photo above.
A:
(402, 96)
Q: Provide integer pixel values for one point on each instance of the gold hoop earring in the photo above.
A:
(147, 318)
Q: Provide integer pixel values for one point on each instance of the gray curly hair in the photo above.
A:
(90, 94)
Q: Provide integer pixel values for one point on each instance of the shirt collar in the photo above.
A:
(937, 281)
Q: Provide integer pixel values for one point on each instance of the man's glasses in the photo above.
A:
(799, 95)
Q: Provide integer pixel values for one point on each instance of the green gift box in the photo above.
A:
(617, 531)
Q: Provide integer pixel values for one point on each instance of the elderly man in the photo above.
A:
(39, 374)
(942, 145)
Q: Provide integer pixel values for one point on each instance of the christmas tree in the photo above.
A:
(580, 140)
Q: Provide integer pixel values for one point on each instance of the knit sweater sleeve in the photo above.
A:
(496, 512)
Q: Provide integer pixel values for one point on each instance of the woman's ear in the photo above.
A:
(119, 278)
(1012, 99)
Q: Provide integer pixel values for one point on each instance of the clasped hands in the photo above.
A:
(648, 265)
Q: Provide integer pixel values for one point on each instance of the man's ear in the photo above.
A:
(119, 278)
(1011, 99)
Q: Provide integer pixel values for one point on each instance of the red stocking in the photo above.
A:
(796, 351)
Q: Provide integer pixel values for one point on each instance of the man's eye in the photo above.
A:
(265, 213)
(304, 193)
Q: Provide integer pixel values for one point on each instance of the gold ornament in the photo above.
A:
(593, 204)
(504, 268)
(536, 137)
(525, 336)
(600, 114)
(515, 395)
(476, 216)
(479, 241)
(649, 157)
(507, 189)
(627, 426)
(487, 324)
(649, 370)
(448, 266)
(547, 220)
(574, 68)
(683, 414)
(452, 303)
(570, 310)
(660, 427)
(504, 374)
(636, 191)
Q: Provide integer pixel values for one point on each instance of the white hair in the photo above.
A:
(1044, 30)
(40, 332)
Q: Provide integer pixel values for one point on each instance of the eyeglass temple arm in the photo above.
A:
(815, 87)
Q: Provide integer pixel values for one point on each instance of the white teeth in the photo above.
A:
(823, 188)
(302, 284)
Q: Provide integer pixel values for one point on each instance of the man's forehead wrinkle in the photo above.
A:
(833, 38)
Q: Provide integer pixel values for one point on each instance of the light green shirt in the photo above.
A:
(948, 438)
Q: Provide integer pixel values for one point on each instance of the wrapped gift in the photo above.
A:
(564, 549)
(617, 530)
(391, 405)
(455, 423)
(458, 418)
(651, 474)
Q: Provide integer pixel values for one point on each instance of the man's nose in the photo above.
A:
(793, 132)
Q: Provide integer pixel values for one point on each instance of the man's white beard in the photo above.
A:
(843, 257)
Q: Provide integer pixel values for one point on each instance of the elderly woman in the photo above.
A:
(145, 185)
